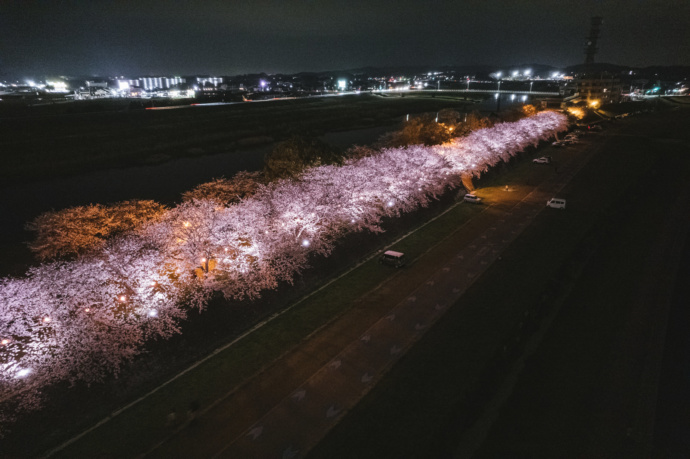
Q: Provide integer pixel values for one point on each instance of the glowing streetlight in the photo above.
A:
(123, 298)
(305, 243)
(5, 342)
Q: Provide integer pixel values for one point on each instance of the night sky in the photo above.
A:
(108, 38)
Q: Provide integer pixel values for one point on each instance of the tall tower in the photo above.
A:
(591, 43)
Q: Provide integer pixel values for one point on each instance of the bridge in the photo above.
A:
(475, 91)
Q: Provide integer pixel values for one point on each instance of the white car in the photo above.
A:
(469, 197)
(556, 203)
(542, 160)
(558, 143)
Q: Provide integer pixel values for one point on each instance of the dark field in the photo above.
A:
(606, 269)
(65, 139)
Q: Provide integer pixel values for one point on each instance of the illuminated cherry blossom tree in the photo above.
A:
(81, 320)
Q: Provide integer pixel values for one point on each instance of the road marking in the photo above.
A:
(366, 378)
(446, 269)
(412, 299)
(391, 317)
(335, 364)
(255, 432)
(299, 395)
(289, 453)
(365, 338)
(332, 411)
(431, 283)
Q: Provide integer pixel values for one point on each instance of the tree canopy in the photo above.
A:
(291, 157)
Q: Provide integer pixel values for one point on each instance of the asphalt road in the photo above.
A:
(289, 407)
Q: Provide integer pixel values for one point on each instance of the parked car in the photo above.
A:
(556, 203)
(469, 197)
(393, 258)
(558, 143)
(542, 160)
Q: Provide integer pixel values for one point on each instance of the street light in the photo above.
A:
(530, 86)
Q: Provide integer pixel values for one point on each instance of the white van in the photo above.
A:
(556, 203)
(392, 258)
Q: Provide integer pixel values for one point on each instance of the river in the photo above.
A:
(160, 182)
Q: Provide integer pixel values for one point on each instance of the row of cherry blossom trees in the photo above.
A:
(81, 320)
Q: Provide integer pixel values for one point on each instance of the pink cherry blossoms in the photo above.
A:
(82, 319)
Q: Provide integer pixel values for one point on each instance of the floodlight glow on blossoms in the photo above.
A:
(23, 372)
(264, 240)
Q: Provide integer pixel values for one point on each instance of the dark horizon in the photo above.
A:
(78, 37)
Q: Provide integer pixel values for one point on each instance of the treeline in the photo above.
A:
(78, 230)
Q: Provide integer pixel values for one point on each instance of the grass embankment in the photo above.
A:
(440, 387)
(48, 145)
